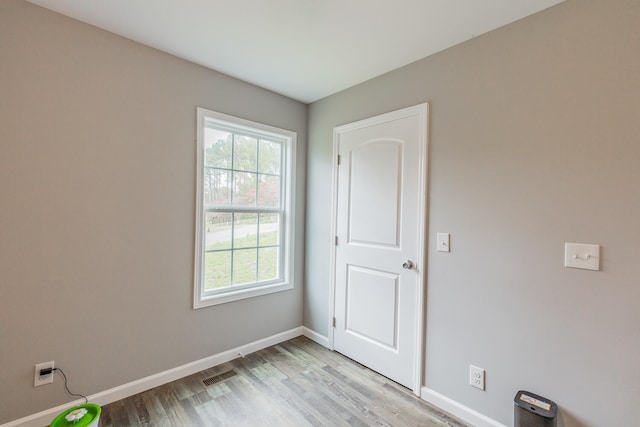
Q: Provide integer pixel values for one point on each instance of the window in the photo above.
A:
(244, 209)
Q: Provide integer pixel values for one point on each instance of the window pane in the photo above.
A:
(267, 263)
(244, 189)
(268, 191)
(269, 161)
(217, 270)
(244, 266)
(217, 187)
(245, 152)
(245, 230)
(269, 229)
(217, 148)
(217, 231)
(245, 210)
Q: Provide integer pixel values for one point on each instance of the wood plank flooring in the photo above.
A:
(295, 383)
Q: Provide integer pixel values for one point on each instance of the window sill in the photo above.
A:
(207, 301)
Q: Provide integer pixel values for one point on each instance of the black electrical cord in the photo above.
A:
(66, 387)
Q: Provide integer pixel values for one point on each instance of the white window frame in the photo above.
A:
(201, 298)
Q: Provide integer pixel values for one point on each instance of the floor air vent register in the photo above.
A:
(219, 378)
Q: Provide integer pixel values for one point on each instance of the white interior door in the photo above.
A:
(379, 222)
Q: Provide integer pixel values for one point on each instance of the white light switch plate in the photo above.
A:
(443, 242)
(579, 255)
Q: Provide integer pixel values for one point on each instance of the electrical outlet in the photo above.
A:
(43, 379)
(476, 377)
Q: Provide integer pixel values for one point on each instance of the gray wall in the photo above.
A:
(97, 202)
(534, 142)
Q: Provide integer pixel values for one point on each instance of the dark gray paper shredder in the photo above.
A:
(532, 410)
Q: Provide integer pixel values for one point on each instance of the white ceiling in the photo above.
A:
(304, 49)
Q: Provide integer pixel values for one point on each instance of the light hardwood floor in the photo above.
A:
(295, 383)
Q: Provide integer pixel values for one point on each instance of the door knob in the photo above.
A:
(407, 265)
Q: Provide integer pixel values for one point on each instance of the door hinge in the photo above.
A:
(338, 160)
(333, 322)
(336, 240)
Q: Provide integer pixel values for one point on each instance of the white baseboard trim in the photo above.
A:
(129, 389)
(314, 336)
(465, 413)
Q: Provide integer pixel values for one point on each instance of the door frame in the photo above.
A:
(422, 111)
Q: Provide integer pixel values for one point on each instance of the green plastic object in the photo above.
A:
(90, 418)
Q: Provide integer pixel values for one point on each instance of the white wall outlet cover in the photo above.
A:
(38, 379)
(580, 255)
(444, 242)
(476, 377)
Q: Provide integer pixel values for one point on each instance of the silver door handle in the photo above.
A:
(407, 265)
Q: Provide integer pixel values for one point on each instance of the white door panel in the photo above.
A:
(379, 222)
(374, 183)
(377, 320)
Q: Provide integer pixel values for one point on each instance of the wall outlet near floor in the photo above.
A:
(43, 379)
(580, 255)
(476, 377)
